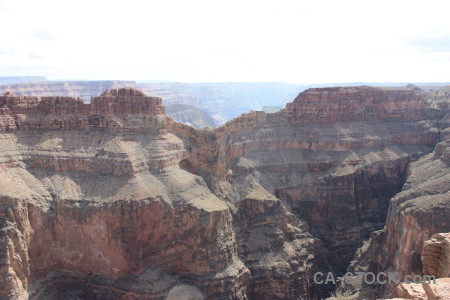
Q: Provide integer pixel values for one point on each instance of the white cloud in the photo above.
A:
(43, 35)
(296, 41)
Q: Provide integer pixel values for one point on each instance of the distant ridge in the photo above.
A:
(83, 89)
(21, 79)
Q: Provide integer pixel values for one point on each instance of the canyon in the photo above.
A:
(219, 101)
(113, 199)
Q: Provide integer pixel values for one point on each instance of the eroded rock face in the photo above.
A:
(115, 111)
(277, 248)
(112, 195)
(109, 207)
(436, 255)
(332, 169)
(328, 105)
(117, 226)
(436, 285)
(418, 212)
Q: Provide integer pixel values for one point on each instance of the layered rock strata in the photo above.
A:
(114, 111)
(418, 212)
(101, 199)
(355, 103)
(103, 208)
(436, 255)
(337, 175)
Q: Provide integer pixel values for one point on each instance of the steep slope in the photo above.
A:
(420, 210)
(335, 156)
(190, 115)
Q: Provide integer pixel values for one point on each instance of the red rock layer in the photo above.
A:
(115, 110)
(337, 170)
(328, 105)
(415, 215)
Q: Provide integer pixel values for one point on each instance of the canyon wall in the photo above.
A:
(420, 210)
(94, 203)
(86, 90)
(114, 199)
(66, 113)
(335, 168)
(93, 211)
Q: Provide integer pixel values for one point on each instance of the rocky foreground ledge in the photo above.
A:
(115, 200)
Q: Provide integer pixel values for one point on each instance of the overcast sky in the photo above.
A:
(206, 41)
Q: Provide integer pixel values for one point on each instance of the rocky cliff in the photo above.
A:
(181, 105)
(94, 203)
(109, 111)
(420, 210)
(337, 175)
(114, 200)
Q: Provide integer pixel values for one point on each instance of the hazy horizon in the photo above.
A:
(387, 83)
(205, 41)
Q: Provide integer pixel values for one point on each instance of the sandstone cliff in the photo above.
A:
(114, 199)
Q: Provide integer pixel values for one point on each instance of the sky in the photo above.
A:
(235, 41)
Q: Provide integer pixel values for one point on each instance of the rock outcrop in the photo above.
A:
(436, 285)
(328, 105)
(101, 199)
(436, 255)
(115, 110)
